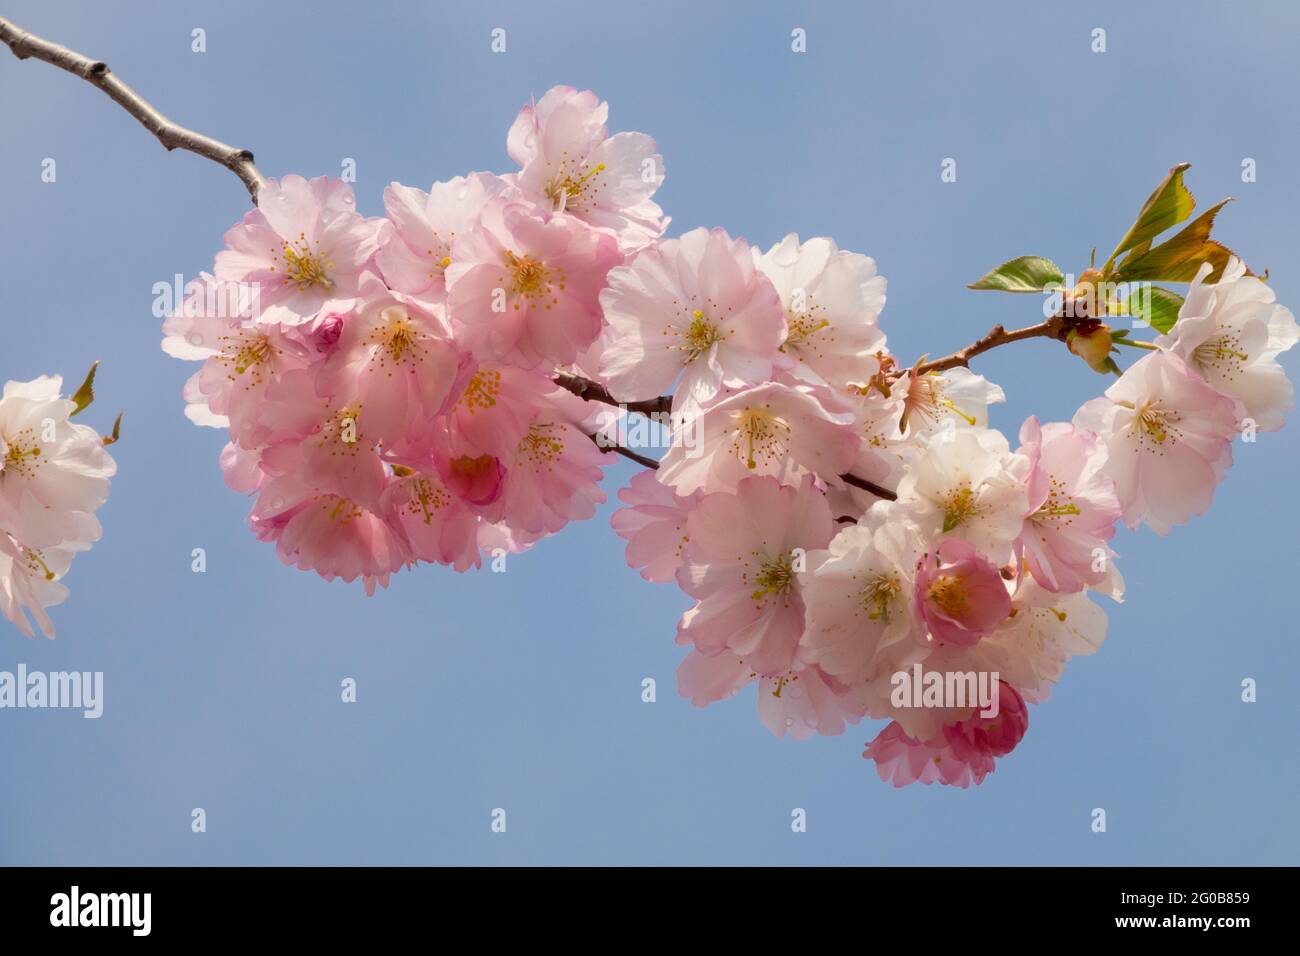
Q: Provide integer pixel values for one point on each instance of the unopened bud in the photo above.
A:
(1082, 302)
(1092, 342)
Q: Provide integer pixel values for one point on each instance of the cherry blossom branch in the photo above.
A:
(591, 391)
(97, 73)
(1053, 328)
(240, 161)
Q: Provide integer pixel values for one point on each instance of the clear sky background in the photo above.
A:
(523, 690)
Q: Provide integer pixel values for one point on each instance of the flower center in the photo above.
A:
(543, 445)
(21, 454)
(959, 508)
(700, 336)
(759, 435)
(482, 390)
(339, 509)
(246, 351)
(341, 427)
(533, 280)
(1058, 504)
(948, 593)
(397, 337)
(568, 192)
(775, 576)
(802, 328)
(878, 597)
(36, 563)
(306, 267)
(424, 497)
(1155, 424)
(926, 397)
(1221, 354)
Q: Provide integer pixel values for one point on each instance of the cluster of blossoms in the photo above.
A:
(54, 475)
(388, 383)
(402, 389)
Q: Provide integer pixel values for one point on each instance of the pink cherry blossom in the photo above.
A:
(523, 287)
(955, 397)
(554, 476)
(993, 736)
(654, 526)
(518, 446)
(770, 429)
(571, 164)
(800, 702)
(1031, 648)
(960, 595)
(415, 245)
(317, 530)
(396, 360)
(436, 525)
(325, 443)
(1232, 332)
(54, 474)
(304, 248)
(1072, 506)
(695, 308)
(965, 482)
(832, 300)
(30, 583)
(744, 568)
(859, 597)
(1168, 436)
(903, 760)
(241, 359)
(964, 752)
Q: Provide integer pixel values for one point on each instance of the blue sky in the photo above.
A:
(522, 690)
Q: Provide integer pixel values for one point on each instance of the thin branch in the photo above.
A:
(97, 73)
(594, 392)
(585, 388)
(1053, 328)
(878, 490)
(642, 460)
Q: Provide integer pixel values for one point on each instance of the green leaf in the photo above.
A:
(1178, 259)
(1170, 204)
(83, 396)
(1025, 274)
(1157, 306)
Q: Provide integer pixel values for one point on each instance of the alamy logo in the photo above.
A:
(72, 689)
(102, 909)
(956, 689)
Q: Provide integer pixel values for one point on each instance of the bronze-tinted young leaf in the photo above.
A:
(1023, 274)
(84, 395)
(1178, 259)
(117, 430)
(1170, 204)
(1159, 307)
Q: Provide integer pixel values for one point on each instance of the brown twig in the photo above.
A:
(642, 460)
(1053, 328)
(878, 490)
(97, 73)
(585, 388)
